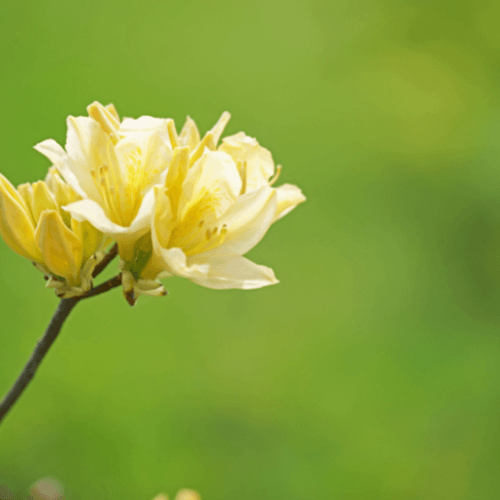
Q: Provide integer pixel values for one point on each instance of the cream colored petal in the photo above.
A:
(90, 149)
(62, 162)
(143, 217)
(131, 128)
(92, 212)
(176, 174)
(175, 263)
(60, 248)
(111, 109)
(207, 142)
(233, 272)
(106, 119)
(259, 161)
(172, 133)
(246, 222)
(214, 175)
(16, 226)
(189, 136)
(219, 127)
(145, 155)
(289, 197)
(162, 216)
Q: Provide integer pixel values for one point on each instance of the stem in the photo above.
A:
(43, 345)
(106, 260)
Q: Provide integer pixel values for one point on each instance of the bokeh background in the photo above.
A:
(372, 371)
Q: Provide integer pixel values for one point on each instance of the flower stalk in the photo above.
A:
(51, 333)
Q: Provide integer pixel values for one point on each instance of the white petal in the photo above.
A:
(92, 212)
(247, 222)
(219, 127)
(89, 148)
(61, 161)
(214, 173)
(145, 156)
(131, 127)
(175, 262)
(289, 197)
(234, 272)
(143, 217)
(259, 161)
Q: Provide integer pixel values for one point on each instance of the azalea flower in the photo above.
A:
(33, 225)
(217, 203)
(113, 166)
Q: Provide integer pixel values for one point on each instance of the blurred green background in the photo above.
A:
(372, 371)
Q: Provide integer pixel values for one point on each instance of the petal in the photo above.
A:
(106, 118)
(144, 155)
(247, 221)
(143, 217)
(233, 272)
(42, 199)
(189, 136)
(92, 212)
(176, 174)
(61, 249)
(16, 226)
(215, 176)
(89, 149)
(259, 161)
(289, 197)
(132, 128)
(175, 262)
(61, 161)
(162, 216)
(219, 127)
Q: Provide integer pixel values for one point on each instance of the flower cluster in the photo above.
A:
(175, 204)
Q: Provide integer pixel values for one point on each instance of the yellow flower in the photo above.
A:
(217, 204)
(113, 166)
(33, 225)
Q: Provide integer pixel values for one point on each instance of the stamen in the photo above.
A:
(242, 169)
(276, 175)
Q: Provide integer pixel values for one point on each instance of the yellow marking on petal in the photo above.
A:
(206, 142)
(188, 232)
(140, 175)
(172, 134)
(112, 110)
(106, 119)
(176, 175)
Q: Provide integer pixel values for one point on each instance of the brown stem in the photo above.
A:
(43, 345)
(106, 260)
